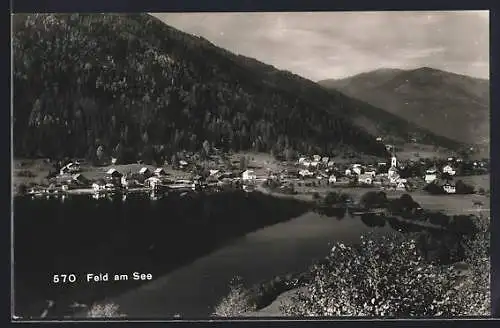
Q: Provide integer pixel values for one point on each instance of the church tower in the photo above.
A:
(394, 160)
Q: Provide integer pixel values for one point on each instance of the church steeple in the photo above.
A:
(394, 160)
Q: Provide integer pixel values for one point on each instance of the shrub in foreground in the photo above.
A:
(237, 302)
(107, 310)
(386, 276)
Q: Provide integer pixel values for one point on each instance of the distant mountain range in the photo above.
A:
(129, 83)
(447, 104)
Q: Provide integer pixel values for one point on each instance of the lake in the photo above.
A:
(193, 291)
(192, 246)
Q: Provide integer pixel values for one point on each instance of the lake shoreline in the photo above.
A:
(204, 249)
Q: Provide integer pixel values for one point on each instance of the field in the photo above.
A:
(417, 151)
(478, 181)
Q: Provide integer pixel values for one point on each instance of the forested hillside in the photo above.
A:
(132, 84)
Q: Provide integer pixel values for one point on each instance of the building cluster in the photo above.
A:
(393, 175)
(144, 178)
(159, 179)
(381, 174)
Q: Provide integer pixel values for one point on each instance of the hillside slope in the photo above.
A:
(131, 83)
(374, 120)
(448, 104)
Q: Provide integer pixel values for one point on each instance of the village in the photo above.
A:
(305, 175)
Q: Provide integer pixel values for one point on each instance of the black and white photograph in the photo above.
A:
(250, 165)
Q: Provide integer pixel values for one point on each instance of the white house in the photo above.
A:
(314, 164)
(432, 170)
(331, 164)
(365, 179)
(124, 181)
(430, 177)
(332, 179)
(401, 186)
(248, 175)
(449, 189)
(113, 160)
(372, 173)
(302, 160)
(306, 163)
(109, 186)
(379, 139)
(317, 158)
(69, 168)
(348, 172)
(357, 170)
(305, 173)
(98, 186)
(448, 169)
(325, 160)
(183, 163)
(153, 182)
(214, 172)
(393, 174)
(144, 171)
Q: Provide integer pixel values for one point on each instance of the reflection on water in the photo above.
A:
(157, 234)
(102, 233)
(373, 220)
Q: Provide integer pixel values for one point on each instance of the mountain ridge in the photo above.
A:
(453, 105)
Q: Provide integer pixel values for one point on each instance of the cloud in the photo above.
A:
(323, 45)
(416, 54)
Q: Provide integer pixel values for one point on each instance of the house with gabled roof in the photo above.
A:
(144, 171)
(449, 188)
(365, 179)
(80, 179)
(449, 169)
(160, 172)
(113, 173)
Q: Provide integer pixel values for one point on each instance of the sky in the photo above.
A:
(326, 45)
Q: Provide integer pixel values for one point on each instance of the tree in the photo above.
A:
(333, 198)
(403, 204)
(290, 154)
(463, 188)
(100, 153)
(174, 160)
(237, 302)
(463, 224)
(386, 276)
(118, 152)
(434, 189)
(374, 199)
(206, 148)
(446, 176)
(243, 162)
